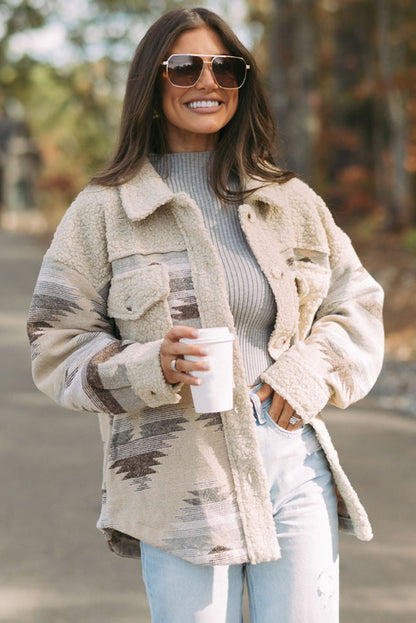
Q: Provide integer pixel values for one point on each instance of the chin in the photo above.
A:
(209, 128)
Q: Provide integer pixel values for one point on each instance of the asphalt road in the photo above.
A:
(54, 564)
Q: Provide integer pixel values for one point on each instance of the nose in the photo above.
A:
(207, 80)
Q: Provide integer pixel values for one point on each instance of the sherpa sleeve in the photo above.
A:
(341, 358)
(77, 358)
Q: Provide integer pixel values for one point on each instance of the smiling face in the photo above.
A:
(195, 115)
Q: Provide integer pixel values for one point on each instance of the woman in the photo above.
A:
(193, 225)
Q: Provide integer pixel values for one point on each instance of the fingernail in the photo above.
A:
(203, 351)
(195, 333)
(205, 365)
(198, 381)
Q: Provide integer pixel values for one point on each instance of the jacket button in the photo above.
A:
(129, 304)
(277, 273)
(251, 217)
(279, 342)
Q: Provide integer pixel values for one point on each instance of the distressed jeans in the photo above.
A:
(300, 587)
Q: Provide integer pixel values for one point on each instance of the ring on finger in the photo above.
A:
(173, 366)
(294, 419)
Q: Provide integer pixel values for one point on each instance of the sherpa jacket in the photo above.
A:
(125, 265)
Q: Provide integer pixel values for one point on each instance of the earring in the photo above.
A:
(155, 114)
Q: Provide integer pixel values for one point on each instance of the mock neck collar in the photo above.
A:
(147, 192)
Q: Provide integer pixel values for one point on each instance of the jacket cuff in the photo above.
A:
(289, 378)
(146, 376)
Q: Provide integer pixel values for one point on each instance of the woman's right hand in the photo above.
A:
(172, 349)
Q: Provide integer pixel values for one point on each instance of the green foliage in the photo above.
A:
(73, 108)
(343, 85)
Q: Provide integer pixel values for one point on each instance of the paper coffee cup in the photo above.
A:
(216, 391)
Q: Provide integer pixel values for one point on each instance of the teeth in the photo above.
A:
(203, 104)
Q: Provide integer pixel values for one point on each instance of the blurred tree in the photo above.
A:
(72, 107)
(293, 79)
(341, 74)
(343, 86)
(14, 18)
(393, 178)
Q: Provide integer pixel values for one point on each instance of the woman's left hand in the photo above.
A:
(280, 411)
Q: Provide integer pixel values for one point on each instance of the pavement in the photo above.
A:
(55, 566)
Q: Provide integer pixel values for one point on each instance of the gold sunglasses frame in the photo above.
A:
(201, 56)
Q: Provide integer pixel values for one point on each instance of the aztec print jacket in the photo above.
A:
(124, 266)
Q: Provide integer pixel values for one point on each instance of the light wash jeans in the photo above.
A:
(302, 586)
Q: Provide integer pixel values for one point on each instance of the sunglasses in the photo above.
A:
(184, 70)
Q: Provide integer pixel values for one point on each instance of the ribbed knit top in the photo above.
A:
(251, 300)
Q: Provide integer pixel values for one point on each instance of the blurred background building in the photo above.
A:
(19, 174)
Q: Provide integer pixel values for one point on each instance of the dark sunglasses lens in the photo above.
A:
(229, 72)
(184, 70)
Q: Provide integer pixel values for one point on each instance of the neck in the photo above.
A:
(181, 142)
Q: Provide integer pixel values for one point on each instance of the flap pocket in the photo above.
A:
(135, 292)
(312, 272)
(312, 280)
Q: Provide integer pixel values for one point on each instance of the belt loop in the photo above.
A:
(257, 406)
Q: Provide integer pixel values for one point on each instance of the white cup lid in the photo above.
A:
(211, 334)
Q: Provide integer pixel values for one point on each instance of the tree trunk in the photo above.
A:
(293, 80)
(392, 179)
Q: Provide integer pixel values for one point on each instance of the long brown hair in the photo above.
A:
(244, 146)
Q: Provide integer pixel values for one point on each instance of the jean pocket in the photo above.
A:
(286, 433)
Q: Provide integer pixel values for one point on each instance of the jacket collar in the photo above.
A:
(146, 192)
(270, 195)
